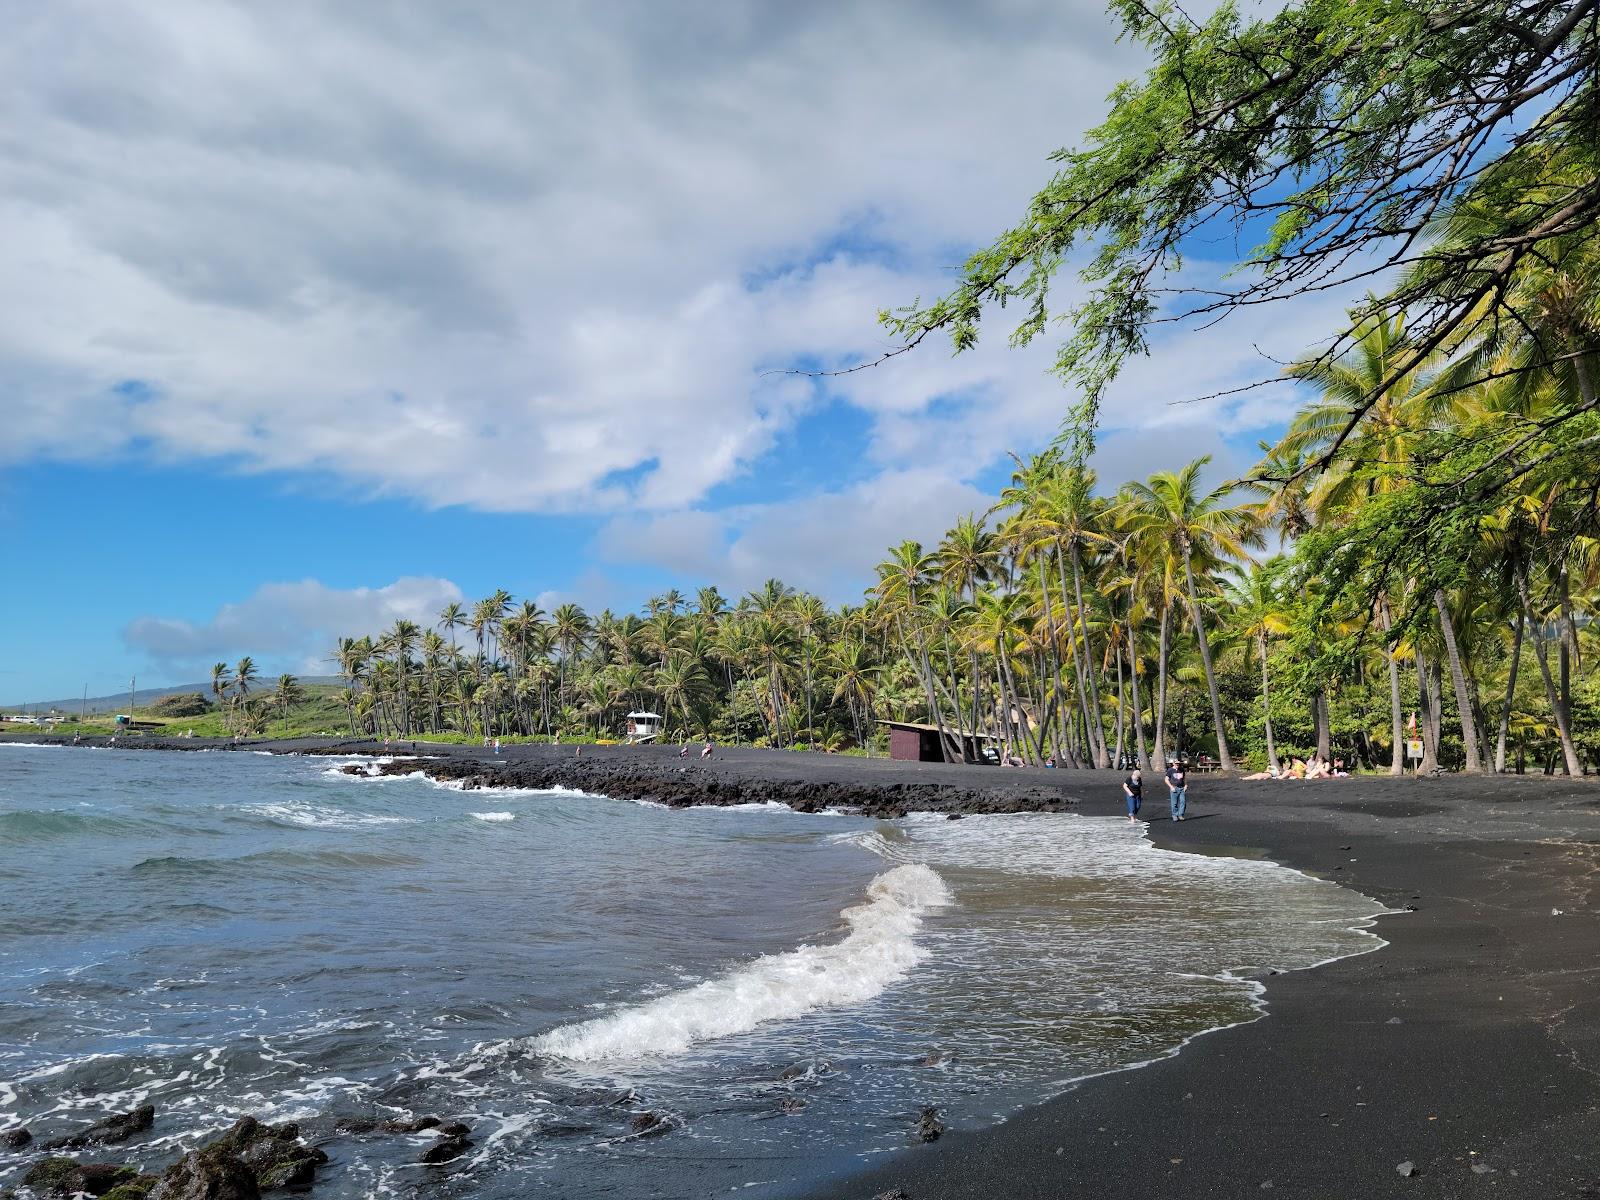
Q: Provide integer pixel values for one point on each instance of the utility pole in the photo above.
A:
(132, 686)
(83, 706)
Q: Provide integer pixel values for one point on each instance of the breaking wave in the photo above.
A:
(879, 950)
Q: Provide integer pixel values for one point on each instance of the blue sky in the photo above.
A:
(314, 320)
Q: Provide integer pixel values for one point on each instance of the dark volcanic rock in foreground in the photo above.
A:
(246, 1160)
(61, 1176)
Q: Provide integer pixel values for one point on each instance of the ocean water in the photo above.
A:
(222, 934)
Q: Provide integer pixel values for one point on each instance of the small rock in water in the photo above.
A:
(791, 1104)
(648, 1123)
(1407, 1169)
(937, 1058)
(446, 1149)
(101, 1179)
(455, 1129)
(411, 1125)
(118, 1128)
(17, 1138)
(929, 1127)
(56, 1175)
(604, 1098)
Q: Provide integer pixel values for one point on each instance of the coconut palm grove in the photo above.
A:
(1091, 626)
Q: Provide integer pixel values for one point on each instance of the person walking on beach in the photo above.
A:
(1177, 788)
(1133, 787)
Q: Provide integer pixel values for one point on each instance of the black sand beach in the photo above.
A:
(1467, 1049)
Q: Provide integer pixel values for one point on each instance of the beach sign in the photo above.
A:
(1414, 748)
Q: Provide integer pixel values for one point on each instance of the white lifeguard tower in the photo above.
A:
(643, 727)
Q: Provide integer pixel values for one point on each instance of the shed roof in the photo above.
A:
(922, 728)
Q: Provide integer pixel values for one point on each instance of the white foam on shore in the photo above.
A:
(879, 950)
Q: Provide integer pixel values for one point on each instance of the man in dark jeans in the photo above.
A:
(1177, 788)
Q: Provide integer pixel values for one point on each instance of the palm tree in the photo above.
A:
(709, 603)
(571, 625)
(681, 683)
(775, 645)
(1401, 386)
(856, 683)
(1204, 531)
(244, 678)
(899, 579)
(219, 689)
(451, 618)
(1258, 615)
(287, 694)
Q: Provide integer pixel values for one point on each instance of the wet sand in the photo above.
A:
(1469, 1047)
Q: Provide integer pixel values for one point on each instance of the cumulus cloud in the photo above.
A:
(553, 258)
(520, 258)
(827, 543)
(297, 622)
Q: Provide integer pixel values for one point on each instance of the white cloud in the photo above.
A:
(826, 543)
(300, 621)
(526, 259)
(544, 258)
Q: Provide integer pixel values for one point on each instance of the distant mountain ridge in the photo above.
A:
(118, 701)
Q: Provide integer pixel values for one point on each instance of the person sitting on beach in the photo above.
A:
(1297, 768)
(1338, 771)
(1316, 768)
(683, 750)
(705, 751)
(1133, 788)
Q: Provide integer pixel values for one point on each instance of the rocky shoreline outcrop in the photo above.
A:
(683, 786)
(248, 1158)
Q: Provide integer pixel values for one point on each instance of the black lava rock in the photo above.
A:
(445, 1149)
(411, 1125)
(251, 1157)
(648, 1123)
(929, 1127)
(117, 1128)
(204, 1175)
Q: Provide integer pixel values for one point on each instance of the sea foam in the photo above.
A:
(879, 950)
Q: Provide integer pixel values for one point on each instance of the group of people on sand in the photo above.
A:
(1177, 781)
(1299, 768)
(705, 750)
